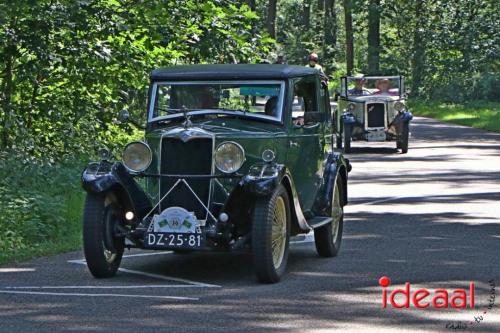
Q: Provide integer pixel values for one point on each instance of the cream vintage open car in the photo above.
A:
(372, 108)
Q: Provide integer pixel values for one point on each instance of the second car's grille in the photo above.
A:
(193, 157)
(376, 115)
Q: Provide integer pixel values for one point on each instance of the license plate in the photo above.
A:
(174, 240)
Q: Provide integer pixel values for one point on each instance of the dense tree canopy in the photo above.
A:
(448, 49)
(67, 67)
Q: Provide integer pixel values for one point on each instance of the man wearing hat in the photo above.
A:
(313, 63)
(359, 82)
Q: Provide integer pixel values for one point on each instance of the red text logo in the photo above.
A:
(423, 298)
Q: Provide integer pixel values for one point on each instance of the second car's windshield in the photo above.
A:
(253, 98)
(363, 86)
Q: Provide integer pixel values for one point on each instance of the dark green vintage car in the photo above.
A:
(235, 158)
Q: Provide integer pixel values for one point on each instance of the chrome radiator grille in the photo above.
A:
(193, 157)
(376, 115)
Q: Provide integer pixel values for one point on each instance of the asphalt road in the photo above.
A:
(430, 217)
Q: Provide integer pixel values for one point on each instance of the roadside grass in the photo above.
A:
(41, 209)
(70, 240)
(478, 114)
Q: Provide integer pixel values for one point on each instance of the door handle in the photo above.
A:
(294, 144)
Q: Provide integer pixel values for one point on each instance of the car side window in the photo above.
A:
(304, 99)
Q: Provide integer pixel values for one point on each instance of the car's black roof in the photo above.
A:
(230, 72)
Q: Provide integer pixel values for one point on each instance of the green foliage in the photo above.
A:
(40, 203)
(456, 49)
(67, 67)
(477, 114)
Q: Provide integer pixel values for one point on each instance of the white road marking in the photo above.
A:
(16, 270)
(97, 295)
(168, 278)
(156, 276)
(109, 287)
(380, 200)
(146, 254)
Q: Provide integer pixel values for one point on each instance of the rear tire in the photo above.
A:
(347, 138)
(99, 215)
(271, 236)
(328, 238)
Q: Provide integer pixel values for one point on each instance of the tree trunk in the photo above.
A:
(349, 38)
(319, 23)
(251, 4)
(307, 14)
(418, 61)
(7, 91)
(271, 17)
(374, 37)
(330, 39)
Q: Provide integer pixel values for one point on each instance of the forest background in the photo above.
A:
(67, 67)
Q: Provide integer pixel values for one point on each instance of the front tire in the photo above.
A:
(347, 138)
(271, 236)
(99, 217)
(328, 238)
(404, 138)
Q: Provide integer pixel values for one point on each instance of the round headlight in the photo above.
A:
(399, 106)
(229, 157)
(137, 156)
(351, 107)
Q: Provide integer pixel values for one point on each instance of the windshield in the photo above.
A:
(365, 86)
(262, 99)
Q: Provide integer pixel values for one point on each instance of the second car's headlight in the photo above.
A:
(229, 157)
(399, 106)
(137, 156)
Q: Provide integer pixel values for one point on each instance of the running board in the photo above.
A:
(318, 221)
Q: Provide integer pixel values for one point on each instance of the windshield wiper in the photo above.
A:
(174, 111)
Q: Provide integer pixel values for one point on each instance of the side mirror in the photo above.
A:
(123, 116)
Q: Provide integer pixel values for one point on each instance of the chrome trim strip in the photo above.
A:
(202, 222)
(159, 201)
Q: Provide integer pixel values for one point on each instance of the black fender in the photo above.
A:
(263, 178)
(105, 177)
(336, 165)
(348, 118)
(402, 117)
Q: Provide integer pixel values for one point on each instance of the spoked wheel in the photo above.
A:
(328, 237)
(347, 138)
(271, 236)
(103, 252)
